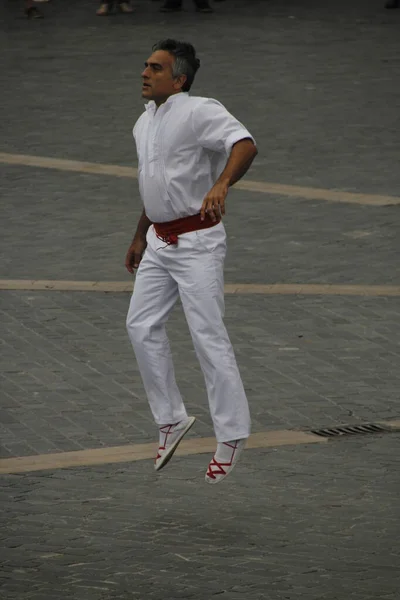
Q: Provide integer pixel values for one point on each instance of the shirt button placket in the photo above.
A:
(154, 129)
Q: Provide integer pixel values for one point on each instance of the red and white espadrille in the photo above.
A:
(170, 437)
(224, 460)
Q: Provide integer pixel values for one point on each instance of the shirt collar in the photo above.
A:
(151, 106)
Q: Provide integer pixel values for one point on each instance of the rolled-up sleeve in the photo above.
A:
(215, 128)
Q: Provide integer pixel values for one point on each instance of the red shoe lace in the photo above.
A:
(218, 471)
(219, 466)
(166, 429)
(158, 453)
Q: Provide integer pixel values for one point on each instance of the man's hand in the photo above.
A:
(214, 202)
(135, 253)
(240, 159)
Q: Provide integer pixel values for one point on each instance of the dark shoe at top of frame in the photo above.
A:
(204, 9)
(203, 6)
(170, 8)
(33, 13)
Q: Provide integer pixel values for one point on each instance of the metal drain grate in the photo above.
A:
(351, 430)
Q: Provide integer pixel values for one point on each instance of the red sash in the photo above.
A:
(169, 231)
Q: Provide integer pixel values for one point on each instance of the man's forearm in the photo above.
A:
(242, 155)
(142, 226)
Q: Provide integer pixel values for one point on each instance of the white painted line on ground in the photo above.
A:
(135, 452)
(301, 289)
(261, 187)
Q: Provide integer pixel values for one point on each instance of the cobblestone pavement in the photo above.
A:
(299, 523)
(317, 83)
(70, 381)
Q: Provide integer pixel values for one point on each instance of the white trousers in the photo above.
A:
(193, 271)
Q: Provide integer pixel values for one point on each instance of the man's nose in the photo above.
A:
(145, 73)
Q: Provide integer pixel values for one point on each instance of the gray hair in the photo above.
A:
(186, 62)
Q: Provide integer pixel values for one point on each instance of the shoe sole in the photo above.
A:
(170, 452)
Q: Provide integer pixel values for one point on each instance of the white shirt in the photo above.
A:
(182, 148)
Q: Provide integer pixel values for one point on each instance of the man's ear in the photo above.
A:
(180, 82)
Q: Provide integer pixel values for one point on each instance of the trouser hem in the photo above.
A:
(182, 417)
(241, 436)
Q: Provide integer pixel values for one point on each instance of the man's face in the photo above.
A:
(158, 83)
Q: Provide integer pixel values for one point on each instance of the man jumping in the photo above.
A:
(190, 151)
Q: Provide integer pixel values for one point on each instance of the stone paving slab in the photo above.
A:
(301, 523)
(69, 380)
